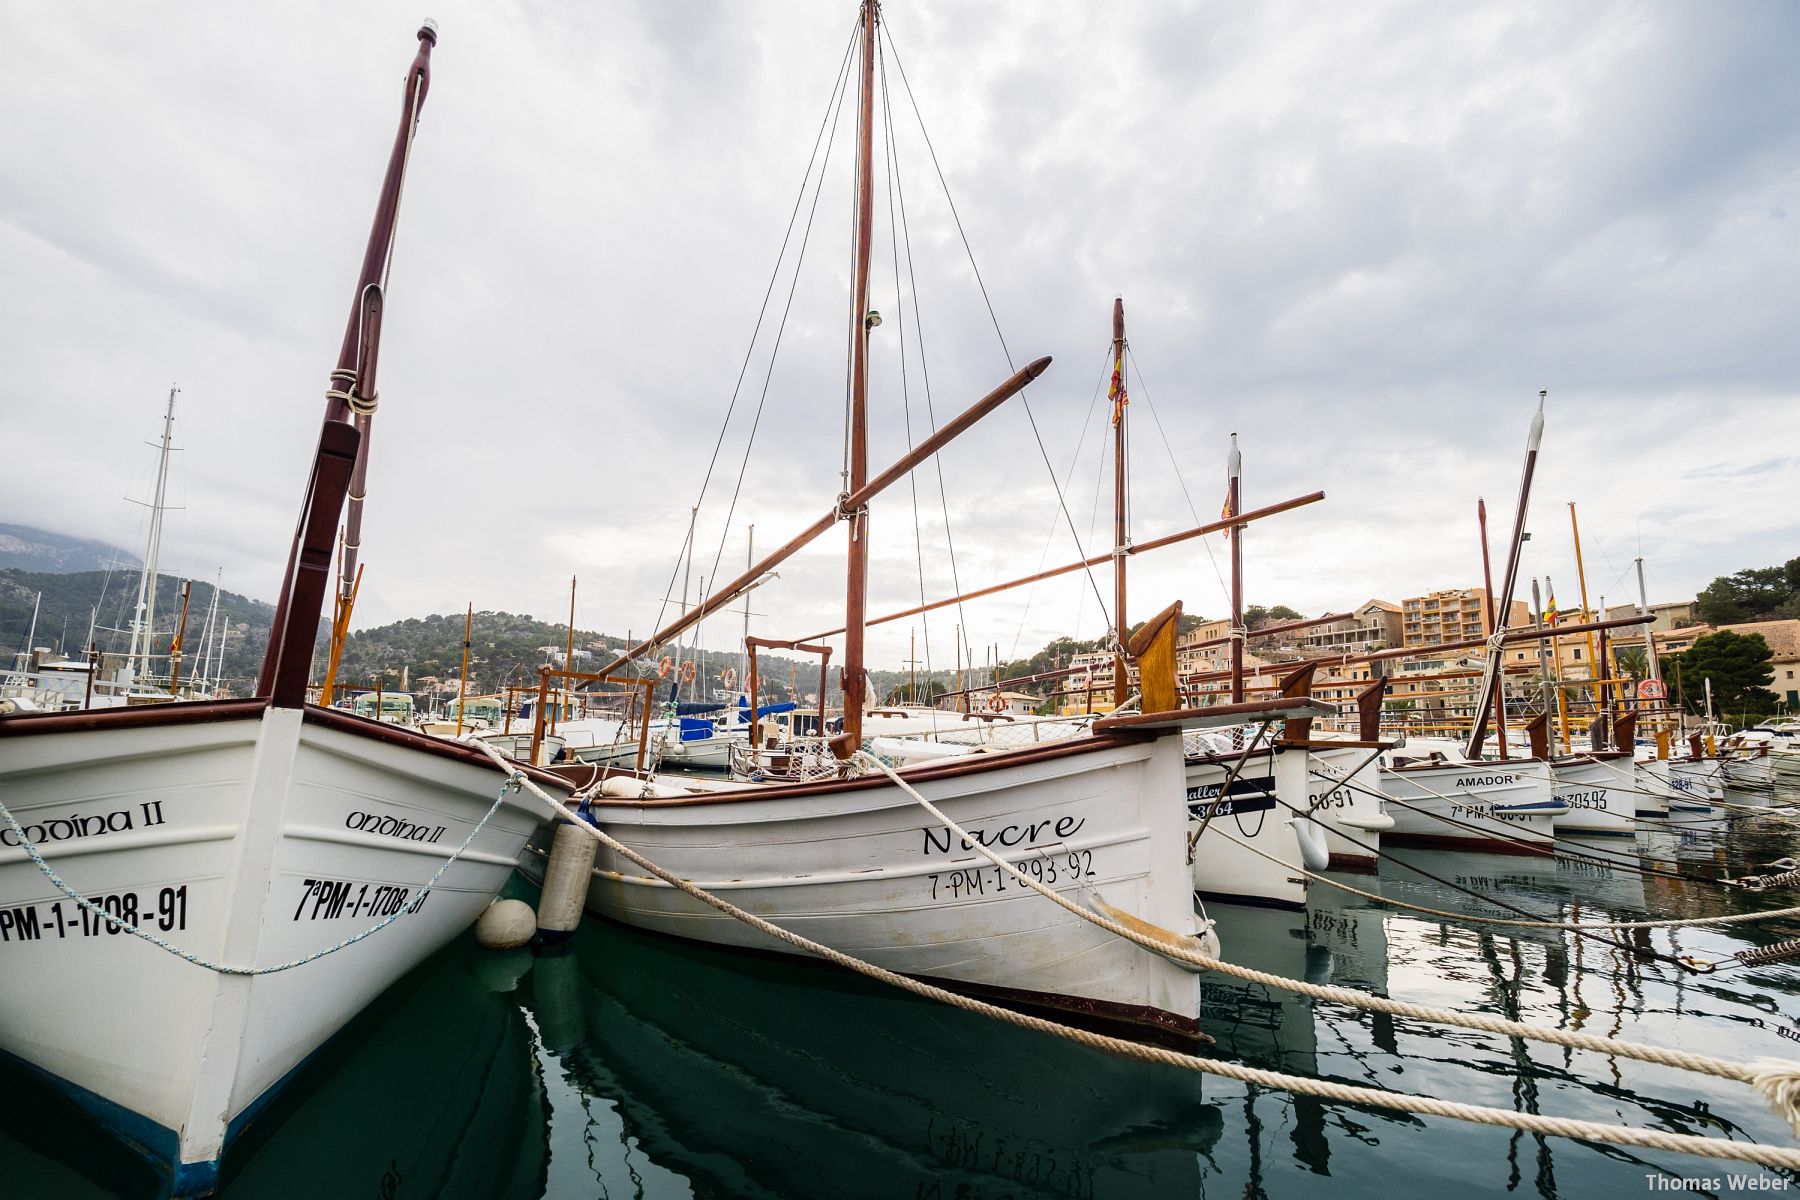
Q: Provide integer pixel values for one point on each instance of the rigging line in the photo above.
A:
(832, 107)
(1024, 400)
(1144, 390)
(833, 119)
(890, 161)
(912, 278)
(1068, 477)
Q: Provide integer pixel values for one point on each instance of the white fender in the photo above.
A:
(1315, 852)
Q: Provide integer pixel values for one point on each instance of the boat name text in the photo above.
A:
(1486, 781)
(385, 825)
(1063, 828)
(75, 825)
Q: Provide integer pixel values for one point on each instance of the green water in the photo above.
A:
(635, 1066)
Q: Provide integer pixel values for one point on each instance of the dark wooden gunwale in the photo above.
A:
(205, 712)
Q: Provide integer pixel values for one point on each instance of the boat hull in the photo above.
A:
(858, 866)
(253, 839)
(1500, 808)
(1344, 794)
(1600, 804)
(1234, 831)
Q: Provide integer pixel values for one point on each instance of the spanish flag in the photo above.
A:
(1117, 392)
(1550, 604)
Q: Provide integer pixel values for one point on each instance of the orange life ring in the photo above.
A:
(664, 667)
(996, 704)
(687, 671)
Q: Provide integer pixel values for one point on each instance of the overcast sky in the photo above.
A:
(1363, 237)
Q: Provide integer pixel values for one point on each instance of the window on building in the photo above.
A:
(1578, 654)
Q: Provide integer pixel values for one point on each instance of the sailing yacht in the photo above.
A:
(194, 897)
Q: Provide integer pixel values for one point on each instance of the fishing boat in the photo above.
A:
(259, 839)
(854, 861)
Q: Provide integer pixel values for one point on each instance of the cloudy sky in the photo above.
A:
(1362, 237)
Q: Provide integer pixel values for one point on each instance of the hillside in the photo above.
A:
(24, 548)
(75, 599)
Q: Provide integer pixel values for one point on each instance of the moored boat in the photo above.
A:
(281, 863)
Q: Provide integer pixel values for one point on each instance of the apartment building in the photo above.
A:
(1375, 625)
(1454, 615)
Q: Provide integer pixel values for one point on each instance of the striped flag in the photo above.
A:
(1550, 604)
(1117, 392)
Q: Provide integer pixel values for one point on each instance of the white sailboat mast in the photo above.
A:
(144, 623)
(1649, 630)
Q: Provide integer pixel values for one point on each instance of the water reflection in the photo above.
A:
(635, 1066)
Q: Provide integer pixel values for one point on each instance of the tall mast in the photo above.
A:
(1595, 664)
(1487, 584)
(340, 466)
(1120, 532)
(1649, 630)
(743, 654)
(143, 627)
(1234, 470)
(1484, 704)
(462, 679)
(856, 589)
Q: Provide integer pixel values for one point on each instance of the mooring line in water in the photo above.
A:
(412, 905)
(1611, 859)
(1776, 1080)
(1671, 923)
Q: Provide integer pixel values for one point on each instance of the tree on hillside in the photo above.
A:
(1738, 666)
(1755, 594)
(1256, 616)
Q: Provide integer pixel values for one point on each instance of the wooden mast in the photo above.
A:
(462, 681)
(856, 590)
(1487, 584)
(1120, 533)
(1596, 659)
(342, 452)
(1234, 465)
(1484, 704)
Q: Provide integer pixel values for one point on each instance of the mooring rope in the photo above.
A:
(1776, 1080)
(412, 905)
(1671, 923)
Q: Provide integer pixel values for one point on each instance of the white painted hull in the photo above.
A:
(1349, 805)
(1498, 807)
(1682, 793)
(1248, 819)
(247, 841)
(1599, 803)
(865, 870)
(1753, 775)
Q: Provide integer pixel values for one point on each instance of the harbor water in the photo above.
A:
(632, 1066)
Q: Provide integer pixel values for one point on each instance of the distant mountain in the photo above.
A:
(26, 549)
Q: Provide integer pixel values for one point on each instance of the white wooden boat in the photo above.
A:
(1241, 831)
(857, 865)
(249, 835)
(1600, 802)
(245, 834)
(1345, 796)
(1439, 798)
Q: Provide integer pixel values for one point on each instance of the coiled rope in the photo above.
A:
(412, 905)
(1776, 1080)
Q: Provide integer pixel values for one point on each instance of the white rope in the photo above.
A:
(411, 905)
(1774, 1079)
